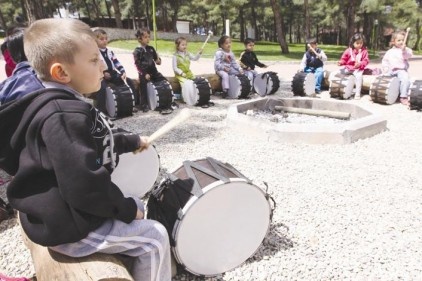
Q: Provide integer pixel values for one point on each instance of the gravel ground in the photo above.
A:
(344, 212)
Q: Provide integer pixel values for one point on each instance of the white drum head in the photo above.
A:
(152, 95)
(261, 86)
(393, 90)
(309, 84)
(189, 92)
(136, 174)
(223, 228)
(110, 103)
(234, 87)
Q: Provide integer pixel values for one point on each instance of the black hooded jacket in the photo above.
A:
(57, 148)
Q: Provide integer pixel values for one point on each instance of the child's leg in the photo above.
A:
(145, 240)
(224, 80)
(142, 98)
(359, 80)
(403, 76)
(319, 75)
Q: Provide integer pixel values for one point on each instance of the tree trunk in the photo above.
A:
(117, 13)
(242, 25)
(33, 10)
(279, 26)
(2, 21)
(416, 47)
(350, 19)
(108, 9)
(254, 22)
(307, 20)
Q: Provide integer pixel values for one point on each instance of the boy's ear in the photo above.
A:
(59, 74)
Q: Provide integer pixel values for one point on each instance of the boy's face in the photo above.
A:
(144, 39)
(313, 45)
(102, 41)
(249, 47)
(86, 73)
(182, 46)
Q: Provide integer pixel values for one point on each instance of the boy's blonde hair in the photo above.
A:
(54, 40)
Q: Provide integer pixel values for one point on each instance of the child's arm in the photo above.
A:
(176, 70)
(117, 65)
(302, 65)
(257, 62)
(156, 57)
(344, 57)
(407, 53)
(243, 61)
(137, 57)
(364, 60)
(218, 61)
(322, 56)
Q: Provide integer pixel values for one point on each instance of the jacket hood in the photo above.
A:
(15, 117)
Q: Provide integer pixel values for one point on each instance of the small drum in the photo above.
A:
(341, 85)
(119, 101)
(136, 174)
(216, 218)
(266, 83)
(416, 95)
(239, 86)
(160, 95)
(197, 91)
(303, 84)
(385, 89)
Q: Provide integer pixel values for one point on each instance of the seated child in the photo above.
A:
(395, 63)
(146, 59)
(114, 75)
(249, 60)
(225, 63)
(24, 79)
(61, 152)
(181, 61)
(355, 59)
(313, 62)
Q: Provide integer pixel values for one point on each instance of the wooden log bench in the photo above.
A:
(50, 265)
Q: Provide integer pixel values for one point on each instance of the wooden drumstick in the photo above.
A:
(206, 40)
(177, 120)
(313, 50)
(406, 35)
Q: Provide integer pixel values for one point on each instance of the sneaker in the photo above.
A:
(224, 94)
(404, 101)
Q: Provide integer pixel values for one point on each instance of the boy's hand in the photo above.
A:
(147, 77)
(139, 215)
(144, 143)
(107, 75)
(158, 61)
(124, 75)
(339, 63)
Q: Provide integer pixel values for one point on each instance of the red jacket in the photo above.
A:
(350, 56)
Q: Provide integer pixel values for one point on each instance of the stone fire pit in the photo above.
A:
(363, 123)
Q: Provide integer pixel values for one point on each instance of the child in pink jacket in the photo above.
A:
(355, 59)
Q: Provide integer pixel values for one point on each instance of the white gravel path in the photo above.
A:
(344, 212)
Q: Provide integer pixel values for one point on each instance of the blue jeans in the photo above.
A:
(319, 75)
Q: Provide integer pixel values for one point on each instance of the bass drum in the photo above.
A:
(385, 89)
(415, 99)
(196, 92)
(303, 84)
(266, 83)
(341, 85)
(136, 174)
(160, 95)
(215, 216)
(119, 101)
(239, 86)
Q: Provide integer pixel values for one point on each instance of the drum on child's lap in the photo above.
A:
(160, 94)
(136, 174)
(197, 91)
(119, 101)
(303, 84)
(341, 85)
(385, 89)
(415, 99)
(239, 86)
(266, 83)
(222, 222)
